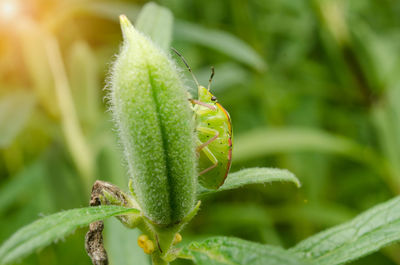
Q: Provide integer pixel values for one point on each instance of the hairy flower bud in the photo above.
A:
(154, 122)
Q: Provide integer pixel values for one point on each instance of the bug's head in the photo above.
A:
(206, 96)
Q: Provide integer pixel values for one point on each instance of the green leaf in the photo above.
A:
(245, 214)
(320, 214)
(262, 142)
(84, 81)
(221, 41)
(15, 109)
(54, 227)
(234, 251)
(367, 233)
(21, 184)
(121, 244)
(386, 123)
(156, 22)
(253, 176)
(75, 139)
(249, 218)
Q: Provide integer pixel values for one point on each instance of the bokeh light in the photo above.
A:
(9, 9)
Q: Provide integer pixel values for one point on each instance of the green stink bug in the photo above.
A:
(214, 135)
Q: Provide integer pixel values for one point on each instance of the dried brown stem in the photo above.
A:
(94, 238)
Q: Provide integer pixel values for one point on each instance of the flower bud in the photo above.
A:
(154, 121)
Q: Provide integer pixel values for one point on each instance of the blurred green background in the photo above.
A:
(311, 86)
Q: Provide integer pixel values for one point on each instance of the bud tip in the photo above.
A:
(126, 25)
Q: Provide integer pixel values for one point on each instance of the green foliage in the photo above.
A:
(15, 109)
(253, 176)
(153, 118)
(221, 41)
(24, 183)
(262, 142)
(156, 22)
(54, 227)
(364, 234)
(368, 232)
(326, 108)
(121, 245)
(226, 250)
(84, 76)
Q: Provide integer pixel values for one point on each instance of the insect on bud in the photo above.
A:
(154, 121)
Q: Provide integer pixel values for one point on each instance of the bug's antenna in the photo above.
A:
(187, 66)
(211, 77)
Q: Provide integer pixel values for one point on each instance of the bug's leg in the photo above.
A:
(200, 103)
(210, 132)
(203, 147)
(210, 156)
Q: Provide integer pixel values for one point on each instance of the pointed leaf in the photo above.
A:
(367, 233)
(53, 227)
(234, 251)
(15, 109)
(84, 81)
(262, 142)
(156, 22)
(253, 176)
(221, 41)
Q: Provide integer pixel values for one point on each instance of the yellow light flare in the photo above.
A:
(9, 9)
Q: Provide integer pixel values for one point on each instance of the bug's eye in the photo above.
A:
(213, 98)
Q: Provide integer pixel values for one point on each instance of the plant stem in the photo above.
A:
(157, 260)
(76, 142)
